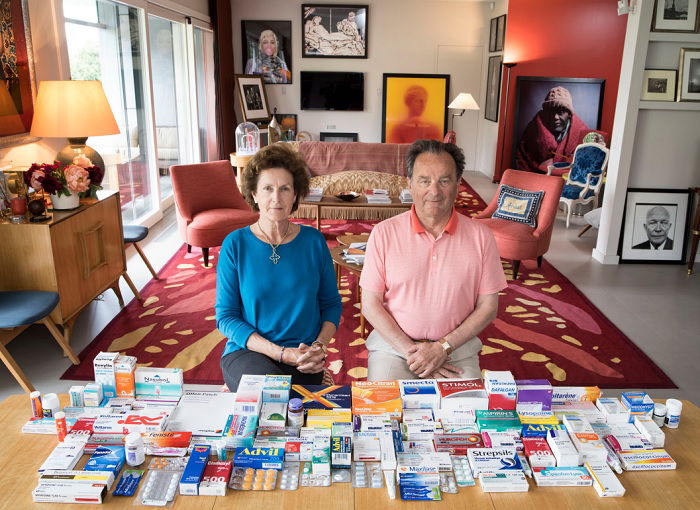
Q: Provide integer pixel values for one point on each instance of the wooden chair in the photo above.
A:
(586, 177)
(19, 310)
(132, 235)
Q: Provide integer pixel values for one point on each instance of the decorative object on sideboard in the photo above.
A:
(73, 109)
(659, 85)
(273, 130)
(66, 183)
(247, 139)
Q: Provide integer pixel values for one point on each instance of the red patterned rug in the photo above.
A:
(545, 327)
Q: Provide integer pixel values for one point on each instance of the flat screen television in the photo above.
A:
(332, 91)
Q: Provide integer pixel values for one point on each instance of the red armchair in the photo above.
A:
(208, 203)
(517, 241)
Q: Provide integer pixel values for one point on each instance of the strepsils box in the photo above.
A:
(64, 456)
(533, 395)
(538, 452)
(160, 382)
(646, 460)
(585, 409)
(483, 460)
(587, 442)
(613, 410)
(605, 482)
(539, 429)
(501, 389)
(103, 365)
(420, 394)
(650, 430)
(561, 394)
(77, 477)
(563, 449)
(463, 394)
(504, 481)
(216, 476)
(562, 476)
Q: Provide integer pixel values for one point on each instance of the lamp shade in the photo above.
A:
(72, 109)
(464, 101)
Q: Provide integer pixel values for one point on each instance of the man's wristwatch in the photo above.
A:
(446, 345)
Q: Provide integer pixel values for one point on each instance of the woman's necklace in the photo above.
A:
(274, 257)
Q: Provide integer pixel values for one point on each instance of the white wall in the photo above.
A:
(404, 36)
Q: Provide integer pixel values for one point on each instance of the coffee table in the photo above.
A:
(348, 239)
(361, 201)
(340, 263)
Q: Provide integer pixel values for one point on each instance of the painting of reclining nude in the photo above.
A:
(334, 30)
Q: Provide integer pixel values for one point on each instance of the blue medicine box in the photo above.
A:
(107, 458)
(259, 458)
(189, 482)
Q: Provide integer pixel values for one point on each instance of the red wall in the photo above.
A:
(563, 39)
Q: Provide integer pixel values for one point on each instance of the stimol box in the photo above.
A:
(420, 394)
(645, 460)
(489, 460)
(538, 452)
(463, 394)
(276, 388)
(259, 458)
(562, 476)
(498, 421)
(215, 477)
(561, 394)
(124, 376)
(194, 470)
(534, 395)
(605, 482)
(322, 397)
(375, 397)
(501, 389)
(104, 372)
(158, 382)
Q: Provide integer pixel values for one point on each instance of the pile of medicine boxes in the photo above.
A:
(498, 430)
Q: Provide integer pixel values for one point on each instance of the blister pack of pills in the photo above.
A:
(340, 475)
(160, 488)
(168, 463)
(463, 473)
(448, 482)
(308, 479)
(249, 479)
(288, 478)
(367, 474)
(128, 482)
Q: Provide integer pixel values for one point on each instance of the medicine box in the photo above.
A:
(457, 444)
(498, 420)
(366, 447)
(637, 403)
(215, 478)
(562, 476)
(93, 394)
(341, 452)
(420, 394)
(64, 456)
(143, 421)
(504, 481)
(297, 450)
(613, 410)
(324, 418)
(587, 442)
(376, 397)
(463, 394)
(103, 365)
(124, 376)
(158, 382)
(605, 482)
(173, 444)
(421, 482)
(493, 439)
(273, 414)
(484, 460)
(106, 458)
(249, 394)
(69, 492)
(644, 460)
(650, 430)
(77, 477)
(76, 396)
(538, 452)
(539, 429)
(241, 430)
(259, 458)
(321, 459)
(194, 470)
(533, 395)
(276, 388)
(563, 449)
(322, 397)
(501, 389)
(561, 394)
(584, 408)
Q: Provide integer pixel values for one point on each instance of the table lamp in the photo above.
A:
(73, 109)
(464, 101)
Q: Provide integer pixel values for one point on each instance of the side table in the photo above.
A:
(239, 163)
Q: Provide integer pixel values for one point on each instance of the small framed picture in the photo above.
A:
(251, 90)
(338, 137)
(493, 33)
(334, 30)
(493, 88)
(655, 226)
(500, 32)
(267, 49)
(675, 16)
(689, 75)
(659, 85)
(288, 126)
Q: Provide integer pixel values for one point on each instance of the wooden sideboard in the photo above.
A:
(78, 253)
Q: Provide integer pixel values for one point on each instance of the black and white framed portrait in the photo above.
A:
(675, 16)
(493, 88)
(251, 91)
(334, 30)
(659, 85)
(267, 49)
(655, 226)
(689, 75)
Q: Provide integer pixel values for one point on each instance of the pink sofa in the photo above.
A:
(517, 241)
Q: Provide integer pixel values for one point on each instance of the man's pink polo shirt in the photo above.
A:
(431, 285)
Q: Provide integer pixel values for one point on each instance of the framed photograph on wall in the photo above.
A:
(689, 75)
(267, 49)
(676, 16)
(414, 106)
(655, 226)
(552, 115)
(334, 30)
(659, 85)
(500, 32)
(338, 137)
(493, 88)
(17, 81)
(251, 90)
(493, 33)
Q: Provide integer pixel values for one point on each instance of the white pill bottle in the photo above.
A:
(135, 449)
(673, 412)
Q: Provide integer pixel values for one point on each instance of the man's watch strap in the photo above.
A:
(446, 345)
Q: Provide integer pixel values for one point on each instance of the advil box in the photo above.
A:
(375, 397)
(463, 394)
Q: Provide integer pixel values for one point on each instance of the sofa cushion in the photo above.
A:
(331, 157)
(518, 205)
(359, 181)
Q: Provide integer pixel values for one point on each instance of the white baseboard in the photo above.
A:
(605, 259)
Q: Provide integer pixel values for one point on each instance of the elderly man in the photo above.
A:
(431, 277)
(658, 223)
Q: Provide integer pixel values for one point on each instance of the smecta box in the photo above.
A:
(463, 394)
(194, 470)
(159, 382)
(104, 372)
(420, 394)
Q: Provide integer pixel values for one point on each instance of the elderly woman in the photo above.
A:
(276, 296)
(267, 61)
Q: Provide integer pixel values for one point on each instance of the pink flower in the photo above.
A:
(82, 161)
(35, 181)
(77, 178)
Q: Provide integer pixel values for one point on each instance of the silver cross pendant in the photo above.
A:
(274, 258)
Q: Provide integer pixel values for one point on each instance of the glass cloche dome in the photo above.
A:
(247, 139)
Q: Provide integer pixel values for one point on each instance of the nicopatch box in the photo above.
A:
(463, 394)
(103, 365)
(419, 394)
(376, 397)
(322, 397)
(158, 382)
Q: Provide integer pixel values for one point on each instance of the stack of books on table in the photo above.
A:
(405, 196)
(315, 195)
(377, 196)
(355, 253)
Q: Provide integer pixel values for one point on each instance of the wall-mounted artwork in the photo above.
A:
(414, 106)
(17, 87)
(552, 115)
(676, 16)
(500, 32)
(659, 85)
(254, 103)
(493, 88)
(267, 49)
(334, 30)
(689, 75)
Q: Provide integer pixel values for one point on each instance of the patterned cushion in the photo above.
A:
(572, 191)
(518, 205)
(359, 181)
(587, 160)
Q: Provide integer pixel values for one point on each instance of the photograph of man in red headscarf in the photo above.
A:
(552, 135)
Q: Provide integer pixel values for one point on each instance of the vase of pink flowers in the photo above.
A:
(66, 183)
